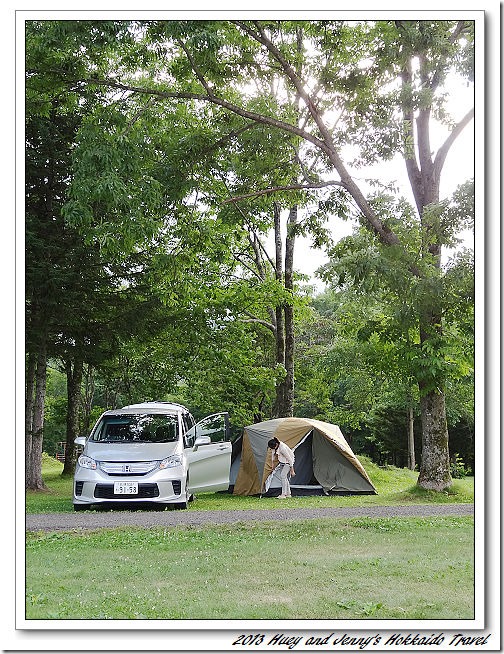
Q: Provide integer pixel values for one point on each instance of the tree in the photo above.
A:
(72, 291)
(375, 307)
(356, 368)
(356, 373)
(47, 142)
(108, 161)
(349, 69)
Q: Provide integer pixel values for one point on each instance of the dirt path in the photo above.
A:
(111, 519)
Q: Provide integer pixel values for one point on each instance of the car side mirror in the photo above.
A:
(201, 440)
(80, 440)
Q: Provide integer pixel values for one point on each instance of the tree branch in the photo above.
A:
(255, 273)
(260, 37)
(196, 70)
(305, 172)
(258, 321)
(276, 189)
(384, 233)
(138, 115)
(213, 99)
(231, 135)
(412, 168)
(423, 129)
(259, 249)
(246, 220)
(444, 149)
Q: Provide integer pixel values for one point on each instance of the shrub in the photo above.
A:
(457, 467)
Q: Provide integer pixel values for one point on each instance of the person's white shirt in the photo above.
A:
(284, 454)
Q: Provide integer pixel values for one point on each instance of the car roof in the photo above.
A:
(150, 407)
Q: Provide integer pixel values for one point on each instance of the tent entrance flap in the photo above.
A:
(333, 471)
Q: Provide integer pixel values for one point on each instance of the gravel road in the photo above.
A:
(110, 519)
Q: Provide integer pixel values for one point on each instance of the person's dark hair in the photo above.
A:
(273, 443)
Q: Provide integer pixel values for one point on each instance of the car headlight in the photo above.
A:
(171, 461)
(86, 462)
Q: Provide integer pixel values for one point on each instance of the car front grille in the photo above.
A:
(122, 468)
(145, 491)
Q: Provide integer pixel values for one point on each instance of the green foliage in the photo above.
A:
(165, 141)
(376, 117)
(457, 467)
(401, 299)
(359, 358)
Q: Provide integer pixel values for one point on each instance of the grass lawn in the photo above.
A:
(380, 568)
(414, 568)
(394, 486)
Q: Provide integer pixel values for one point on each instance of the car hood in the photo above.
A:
(131, 451)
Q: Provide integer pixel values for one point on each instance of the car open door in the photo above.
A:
(208, 450)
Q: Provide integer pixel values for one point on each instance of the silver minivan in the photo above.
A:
(152, 452)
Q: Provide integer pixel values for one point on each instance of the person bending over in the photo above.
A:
(286, 460)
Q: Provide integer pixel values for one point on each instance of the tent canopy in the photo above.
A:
(324, 459)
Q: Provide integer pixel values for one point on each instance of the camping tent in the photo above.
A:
(324, 460)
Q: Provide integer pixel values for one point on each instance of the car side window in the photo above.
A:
(215, 426)
(189, 430)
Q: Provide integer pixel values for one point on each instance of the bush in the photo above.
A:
(457, 467)
(50, 464)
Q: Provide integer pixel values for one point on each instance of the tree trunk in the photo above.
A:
(29, 404)
(424, 175)
(74, 380)
(284, 333)
(34, 479)
(435, 466)
(411, 440)
(289, 313)
(279, 317)
(280, 330)
(288, 408)
(435, 463)
(89, 391)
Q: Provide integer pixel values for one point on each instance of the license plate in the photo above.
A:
(125, 488)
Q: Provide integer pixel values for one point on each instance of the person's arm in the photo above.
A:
(292, 459)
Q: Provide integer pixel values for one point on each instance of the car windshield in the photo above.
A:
(136, 428)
